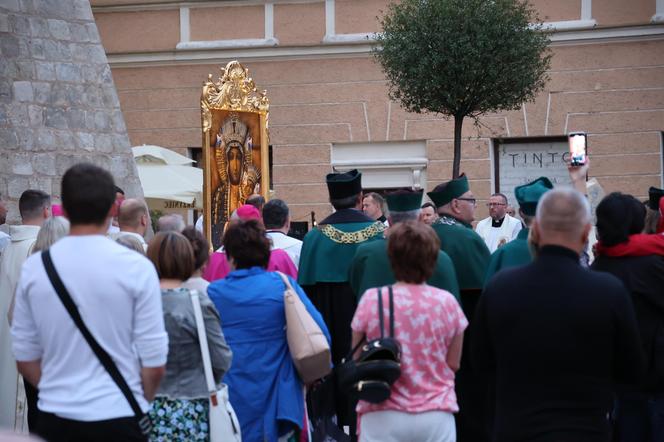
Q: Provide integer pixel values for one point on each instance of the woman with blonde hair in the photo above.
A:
(52, 230)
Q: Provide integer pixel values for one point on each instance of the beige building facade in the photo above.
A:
(329, 107)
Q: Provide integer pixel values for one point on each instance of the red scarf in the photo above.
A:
(660, 227)
(637, 245)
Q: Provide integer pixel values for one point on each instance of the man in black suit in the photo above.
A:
(556, 337)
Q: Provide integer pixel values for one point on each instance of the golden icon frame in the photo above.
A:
(233, 94)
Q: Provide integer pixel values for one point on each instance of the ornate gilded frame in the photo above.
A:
(234, 93)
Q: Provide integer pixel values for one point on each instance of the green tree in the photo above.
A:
(462, 58)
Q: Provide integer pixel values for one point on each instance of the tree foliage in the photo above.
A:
(462, 58)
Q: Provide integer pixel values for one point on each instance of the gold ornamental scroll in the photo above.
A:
(234, 117)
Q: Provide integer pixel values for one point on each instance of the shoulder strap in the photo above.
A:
(380, 313)
(203, 343)
(284, 278)
(104, 358)
(391, 312)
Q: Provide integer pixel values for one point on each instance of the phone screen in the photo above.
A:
(578, 148)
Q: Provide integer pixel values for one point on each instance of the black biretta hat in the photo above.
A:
(343, 185)
(404, 200)
(654, 195)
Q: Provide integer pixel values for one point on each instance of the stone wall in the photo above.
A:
(58, 103)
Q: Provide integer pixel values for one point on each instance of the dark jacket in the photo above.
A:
(643, 277)
(558, 338)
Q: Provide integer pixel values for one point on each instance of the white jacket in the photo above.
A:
(22, 240)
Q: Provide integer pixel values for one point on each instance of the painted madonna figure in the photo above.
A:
(238, 177)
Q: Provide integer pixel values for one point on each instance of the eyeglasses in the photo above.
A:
(472, 201)
(495, 204)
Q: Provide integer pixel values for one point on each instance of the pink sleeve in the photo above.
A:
(360, 321)
(460, 321)
(217, 267)
(280, 261)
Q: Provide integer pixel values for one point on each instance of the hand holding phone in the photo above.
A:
(578, 148)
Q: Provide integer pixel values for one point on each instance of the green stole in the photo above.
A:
(326, 254)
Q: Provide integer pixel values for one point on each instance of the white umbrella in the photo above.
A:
(148, 153)
(166, 175)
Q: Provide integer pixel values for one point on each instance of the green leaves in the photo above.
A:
(462, 57)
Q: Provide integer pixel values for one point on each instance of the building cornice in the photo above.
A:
(177, 4)
(265, 50)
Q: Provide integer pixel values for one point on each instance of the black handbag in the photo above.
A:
(371, 375)
(105, 359)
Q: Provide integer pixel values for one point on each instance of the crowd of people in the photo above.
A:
(541, 327)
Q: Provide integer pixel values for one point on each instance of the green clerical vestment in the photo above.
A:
(466, 249)
(328, 250)
(514, 253)
(371, 268)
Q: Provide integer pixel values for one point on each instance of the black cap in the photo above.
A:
(404, 200)
(654, 195)
(343, 185)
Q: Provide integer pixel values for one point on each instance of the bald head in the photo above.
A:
(133, 216)
(563, 218)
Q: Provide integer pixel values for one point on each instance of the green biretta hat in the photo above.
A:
(654, 195)
(342, 185)
(446, 192)
(528, 195)
(404, 200)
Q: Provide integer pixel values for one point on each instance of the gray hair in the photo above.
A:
(563, 210)
(130, 242)
(171, 222)
(402, 217)
(52, 230)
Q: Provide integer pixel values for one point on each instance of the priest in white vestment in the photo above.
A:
(35, 208)
(499, 228)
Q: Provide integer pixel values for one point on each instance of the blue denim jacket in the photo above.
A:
(185, 378)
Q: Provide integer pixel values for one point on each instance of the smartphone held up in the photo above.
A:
(578, 148)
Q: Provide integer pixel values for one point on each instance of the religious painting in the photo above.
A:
(235, 146)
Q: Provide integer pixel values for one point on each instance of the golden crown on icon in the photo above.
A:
(233, 131)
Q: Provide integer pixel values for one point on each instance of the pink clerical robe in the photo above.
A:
(217, 266)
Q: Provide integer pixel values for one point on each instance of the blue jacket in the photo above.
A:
(264, 387)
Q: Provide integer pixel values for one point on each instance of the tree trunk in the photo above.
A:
(456, 164)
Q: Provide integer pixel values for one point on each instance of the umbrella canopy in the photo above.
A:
(167, 175)
(148, 153)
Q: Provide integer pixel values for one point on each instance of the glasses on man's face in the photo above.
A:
(495, 204)
(472, 201)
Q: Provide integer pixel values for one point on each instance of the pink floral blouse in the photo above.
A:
(426, 319)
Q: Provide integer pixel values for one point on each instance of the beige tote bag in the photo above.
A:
(306, 341)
